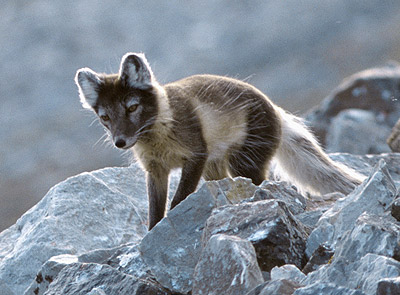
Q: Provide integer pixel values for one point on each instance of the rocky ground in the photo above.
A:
(88, 234)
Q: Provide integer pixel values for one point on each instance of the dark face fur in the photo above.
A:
(125, 103)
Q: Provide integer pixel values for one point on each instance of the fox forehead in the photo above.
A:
(112, 91)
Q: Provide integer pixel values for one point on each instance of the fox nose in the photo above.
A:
(120, 143)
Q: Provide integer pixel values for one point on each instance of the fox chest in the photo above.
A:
(164, 152)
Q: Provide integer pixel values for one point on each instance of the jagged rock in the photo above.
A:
(322, 255)
(374, 196)
(375, 90)
(357, 131)
(101, 209)
(274, 232)
(228, 265)
(270, 190)
(395, 208)
(388, 286)
(172, 248)
(91, 278)
(281, 287)
(288, 272)
(370, 270)
(48, 273)
(326, 289)
(394, 138)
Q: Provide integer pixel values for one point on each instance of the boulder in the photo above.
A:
(101, 209)
(326, 289)
(388, 286)
(357, 131)
(374, 90)
(274, 232)
(172, 248)
(374, 196)
(91, 278)
(228, 265)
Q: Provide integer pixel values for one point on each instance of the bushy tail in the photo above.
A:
(304, 162)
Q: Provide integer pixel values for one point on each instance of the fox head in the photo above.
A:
(126, 103)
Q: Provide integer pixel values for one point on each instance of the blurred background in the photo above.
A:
(294, 51)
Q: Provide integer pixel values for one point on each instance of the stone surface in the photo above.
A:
(288, 272)
(326, 289)
(357, 131)
(90, 278)
(274, 232)
(322, 255)
(388, 286)
(374, 196)
(281, 287)
(228, 265)
(178, 236)
(270, 190)
(102, 209)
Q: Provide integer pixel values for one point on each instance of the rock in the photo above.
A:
(102, 209)
(395, 208)
(357, 131)
(374, 90)
(91, 278)
(388, 286)
(370, 270)
(374, 196)
(322, 255)
(48, 273)
(326, 289)
(288, 272)
(228, 265)
(281, 287)
(274, 232)
(271, 190)
(172, 248)
(394, 138)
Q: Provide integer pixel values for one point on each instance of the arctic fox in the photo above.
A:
(209, 126)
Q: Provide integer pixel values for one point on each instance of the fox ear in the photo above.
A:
(88, 82)
(135, 71)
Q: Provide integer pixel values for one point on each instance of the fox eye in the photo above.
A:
(132, 108)
(105, 118)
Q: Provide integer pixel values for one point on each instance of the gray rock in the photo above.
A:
(288, 272)
(374, 90)
(374, 196)
(274, 232)
(91, 278)
(228, 265)
(370, 270)
(172, 248)
(102, 209)
(388, 286)
(271, 190)
(322, 255)
(357, 131)
(281, 287)
(49, 272)
(358, 260)
(326, 289)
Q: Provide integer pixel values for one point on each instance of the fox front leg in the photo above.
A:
(191, 173)
(157, 190)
